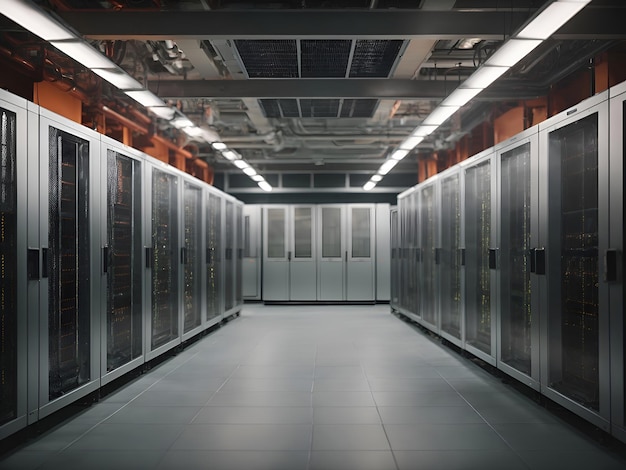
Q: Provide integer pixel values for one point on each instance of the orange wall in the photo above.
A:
(49, 96)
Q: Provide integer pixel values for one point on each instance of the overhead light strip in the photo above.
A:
(541, 27)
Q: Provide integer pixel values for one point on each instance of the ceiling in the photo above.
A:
(302, 87)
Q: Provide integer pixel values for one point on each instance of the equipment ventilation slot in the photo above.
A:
(325, 58)
(269, 58)
(374, 58)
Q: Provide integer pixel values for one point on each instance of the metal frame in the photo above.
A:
(298, 267)
(210, 194)
(276, 269)
(252, 264)
(431, 183)
(330, 262)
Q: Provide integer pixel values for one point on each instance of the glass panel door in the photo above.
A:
(428, 224)
(214, 257)
(229, 272)
(239, 257)
(303, 231)
(192, 257)
(361, 232)
(450, 270)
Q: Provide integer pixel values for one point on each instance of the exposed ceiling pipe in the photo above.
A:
(108, 112)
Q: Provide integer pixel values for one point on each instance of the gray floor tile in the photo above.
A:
(286, 437)
(273, 372)
(60, 437)
(408, 384)
(234, 460)
(339, 372)
(395, 371)
(429, 415)
(460, 460)
(443, 437)
(26, 460)
(265, 385)
(195, 384)
(261, 399)
(345, 415)
(540, 436)
(418, 399)
(116, 437)
(155, 415)
(571, 460)
(106, 460)
(352, 460)
(517, 414)
(343, 399)
(172, 398)
(341, 385)
(254, 415)
(512, 399)
(349, 437)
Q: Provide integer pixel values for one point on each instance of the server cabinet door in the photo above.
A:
(229, 256)
(332, 252)
(14, 275)
(403, 288)
(382, 267)
(162, 260)
(303, 262)
(518, 340)
(395, 260)
(252, 251)
(575, 361)
(191, 258)
(480, 281)
(614, 260)
(214, 265)
(428, 224)
(360, 273)
(276, 253)
(413, 255)
(122, 267)
(239, 257)
(69, 213)
(450, 288)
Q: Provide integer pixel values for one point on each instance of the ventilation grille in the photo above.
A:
(374, 58)
(269, 58)
(318, 108)
(324, 58)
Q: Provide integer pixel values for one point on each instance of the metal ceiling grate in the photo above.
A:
(289, 108)
(269, 58)
(374, 58)
(319, 108)
(270, 108)
(324, 58)
(358, 108)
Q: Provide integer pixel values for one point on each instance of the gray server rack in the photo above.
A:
(383, 262)
(302, 253)
(360, 279)
(518, 279)
(395, 264)
(122, 245)
(613, 273)
(275, 253)
(429, 255)
(479, 235)
(574, 228)
(252, 239)
(331, 249)
(239, 258)
(214, 292)
(15, 288)
(191, 252)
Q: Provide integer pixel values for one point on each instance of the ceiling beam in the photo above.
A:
(380, 88)
(295, 24)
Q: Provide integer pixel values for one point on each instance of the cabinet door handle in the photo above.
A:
(532, 253)
(148, 251)
(540, 261)
(462, 256)
(208, 256)
(493, 258)
(44, 263)
(289, 256)
(33, 264)
(610, 265)
(105, 259)
(346, 256)
(437, 255)
(183, 255)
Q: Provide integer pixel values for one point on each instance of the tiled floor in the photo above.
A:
(315, 388)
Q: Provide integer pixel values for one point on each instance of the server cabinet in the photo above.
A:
(518, 280)
(574, 228)
(395, 265)
(122, 282)
(15, 162)
(71, 267)
(239, 258)
(191, 258)
(332, 247)
(162, 259)
(360, 254)
(413, 255)
(383, 261)
(252, 214)
(403, 270)
(478, 237)
(230, 257)
(614, 259)
(450, 274)
(302, 254)
(214, 253)
(430, 256)
(276, 255)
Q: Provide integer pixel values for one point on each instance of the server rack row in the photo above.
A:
(326, 252)
(108, 258)
(515, 255)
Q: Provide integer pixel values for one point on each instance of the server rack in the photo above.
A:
(360, 278)
(331, 249)
(614, 260)
(71, 269)
(239, 261)
(430, 255)
(479, 235)
(409, 253)
(252, 239)
(518, 278)
(401, 224)
(122, 280)
(449, 258)
(162, 259)
(231, 257)
(214, 257)
(383, 261)
(395, 264)
(575, 230)
(302, 253)
(15, 160)
(276, 256)
(191, 257)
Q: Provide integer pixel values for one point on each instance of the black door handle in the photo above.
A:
(540, 261)
(33, 264)
(462, 256)
(437, 255)
(105, 259)
(493, 258)
(610, 265)
(148, 251)
(44, 263)
(532, 253)
(183, 255)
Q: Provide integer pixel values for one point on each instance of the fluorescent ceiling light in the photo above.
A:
(193, 131)
(551, 19)
(399, 154)
(164, 112)
(484, 77)
(181, 122)
(118, 79)
(230, 155)
(369, 186)
(145, 98)
(411, 142)
(423, 131)
(376, 178)
(219, 146)
(264, 185)
(512, 51)
(34, 20)
(387, 166)
(249, 171)
(440, 115)
(460, 97)
(83, 53)
(257, 178)
(241, 164)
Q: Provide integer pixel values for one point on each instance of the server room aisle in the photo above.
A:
(323, 387)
